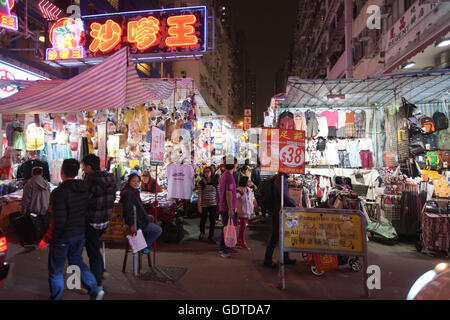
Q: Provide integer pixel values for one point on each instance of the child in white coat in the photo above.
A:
(245, 208)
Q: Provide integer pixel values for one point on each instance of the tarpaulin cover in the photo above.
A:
(417, 87)
(114, 83)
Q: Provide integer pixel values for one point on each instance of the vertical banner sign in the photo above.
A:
(283, 151)
(247, 119)
(157, 150)
(102, 144)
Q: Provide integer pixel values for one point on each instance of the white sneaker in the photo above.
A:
(98, 295)
(225, 255)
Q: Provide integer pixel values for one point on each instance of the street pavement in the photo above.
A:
(211, 277)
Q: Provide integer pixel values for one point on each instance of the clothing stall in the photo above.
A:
(383, 136)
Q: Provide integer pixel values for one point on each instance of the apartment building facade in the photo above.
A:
(362, 38)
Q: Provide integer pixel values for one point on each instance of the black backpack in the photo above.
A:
(431, 142)
(440, 121)
(266, 194)
(417, 144)
(321, 144)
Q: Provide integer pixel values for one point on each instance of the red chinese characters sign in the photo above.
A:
(283, 151)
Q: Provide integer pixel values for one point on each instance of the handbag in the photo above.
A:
(229, 233)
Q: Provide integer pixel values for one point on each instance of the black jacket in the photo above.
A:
(130, 200)
(25, 169)
(102, 194)
(287, 200)
(68, 208)
(256, 176)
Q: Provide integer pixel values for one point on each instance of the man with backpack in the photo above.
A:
(102, 194)
(270, 190)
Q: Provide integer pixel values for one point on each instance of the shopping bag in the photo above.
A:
(229, 234)
(137, 242)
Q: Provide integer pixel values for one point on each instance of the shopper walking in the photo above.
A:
(35, 201)
(66, 233)
(102, 194)
(274, 208)
(130, 197)
(208, 193)
(228, 202)
(245, 207)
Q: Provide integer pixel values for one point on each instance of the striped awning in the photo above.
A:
(114, 83)
(163, 89)
(429, 109)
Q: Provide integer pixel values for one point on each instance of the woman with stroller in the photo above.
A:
(208, 193)
(130, 198)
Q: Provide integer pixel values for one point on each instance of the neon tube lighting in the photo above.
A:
(144, 11)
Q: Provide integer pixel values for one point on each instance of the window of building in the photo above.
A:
(408, 4)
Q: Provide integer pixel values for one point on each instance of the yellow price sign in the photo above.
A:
(323, 231)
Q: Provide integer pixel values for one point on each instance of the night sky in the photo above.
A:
(268, 27)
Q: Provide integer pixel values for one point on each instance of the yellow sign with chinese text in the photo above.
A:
(323, 231)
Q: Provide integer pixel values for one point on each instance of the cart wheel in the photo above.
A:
(305, 257)
(355, 265)
(315, 271)
(418, 245)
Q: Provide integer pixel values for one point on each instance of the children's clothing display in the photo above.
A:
(323, 127)
(355, 158)
(360, 123)
(350, 124)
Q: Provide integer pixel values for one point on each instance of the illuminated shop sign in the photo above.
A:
(11, 72)
(66, 37)
(148, 33)
(8, 20)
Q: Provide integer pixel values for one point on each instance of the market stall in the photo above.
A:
(107, 110)
(359, 131)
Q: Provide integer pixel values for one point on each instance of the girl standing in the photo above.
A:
(245, 208)
(208, 193)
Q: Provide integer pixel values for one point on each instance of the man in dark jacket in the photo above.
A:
(35, 201)
(66, 233)
(102, 194)
(274, 209)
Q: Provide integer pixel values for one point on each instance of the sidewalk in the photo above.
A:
(209, 276)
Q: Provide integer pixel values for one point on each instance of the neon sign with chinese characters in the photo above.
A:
(7, 20)
(171, 32)
(66, 37)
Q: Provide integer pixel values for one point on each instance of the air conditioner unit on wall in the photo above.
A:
(443, 60)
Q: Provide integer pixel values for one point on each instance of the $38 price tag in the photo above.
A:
(292, 156)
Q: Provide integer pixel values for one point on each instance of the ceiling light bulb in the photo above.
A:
(408, 65)
(443, 43)
(42, 39)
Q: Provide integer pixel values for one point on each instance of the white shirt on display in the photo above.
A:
(180, 181)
